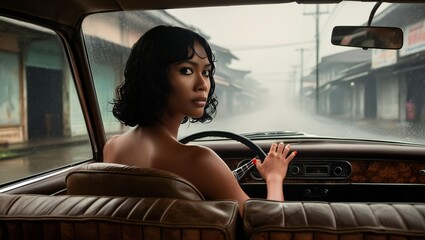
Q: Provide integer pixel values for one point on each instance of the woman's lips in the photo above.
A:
(200, 102)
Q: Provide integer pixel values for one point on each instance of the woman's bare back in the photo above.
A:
(154, 149)
(144, 148)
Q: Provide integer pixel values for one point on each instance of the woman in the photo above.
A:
(169, 81)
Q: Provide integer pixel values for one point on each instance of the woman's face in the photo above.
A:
(190, 85)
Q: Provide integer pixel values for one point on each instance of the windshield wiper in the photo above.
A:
(273, 134)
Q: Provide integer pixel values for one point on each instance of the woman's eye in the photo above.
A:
(186, 71)
(206, 73)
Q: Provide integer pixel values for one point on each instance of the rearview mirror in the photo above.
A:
(368, 37)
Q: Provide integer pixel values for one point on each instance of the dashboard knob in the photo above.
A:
(338, 171)
(307, 192)
(295, 170)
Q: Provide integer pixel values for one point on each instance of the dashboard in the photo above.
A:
(337, 170)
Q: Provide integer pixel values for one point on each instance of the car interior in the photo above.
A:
(56, 86)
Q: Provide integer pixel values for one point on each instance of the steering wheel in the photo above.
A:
(239, 172)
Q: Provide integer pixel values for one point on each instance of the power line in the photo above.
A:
(332, 15)
(250, 48)
(272, 73)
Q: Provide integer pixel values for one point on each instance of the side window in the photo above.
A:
(41, 123)
(107, 52)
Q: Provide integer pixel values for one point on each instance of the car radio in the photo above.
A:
(319, 169)
(312, 169)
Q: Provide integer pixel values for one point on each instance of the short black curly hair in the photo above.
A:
(142, 96)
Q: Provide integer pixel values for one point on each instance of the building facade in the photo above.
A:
(379, 84)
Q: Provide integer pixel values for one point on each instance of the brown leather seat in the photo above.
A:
(35, 217)
(269, 220)
(108, 179)
(119, 202)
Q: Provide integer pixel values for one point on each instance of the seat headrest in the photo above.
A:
(110, 179)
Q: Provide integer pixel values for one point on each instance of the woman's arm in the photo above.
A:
(273, 169)
(214, 179)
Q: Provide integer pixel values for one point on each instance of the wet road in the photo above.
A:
(291, 118)
(37, 161)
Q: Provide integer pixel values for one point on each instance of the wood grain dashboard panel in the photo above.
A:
(387, 172)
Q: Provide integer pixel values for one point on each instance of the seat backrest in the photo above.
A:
(269, 220)
(109, 179)
(35, 217)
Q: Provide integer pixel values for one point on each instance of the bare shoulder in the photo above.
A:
(200, 153)
(210, 174)
(108, 148)
(111, 139)
(190, 157)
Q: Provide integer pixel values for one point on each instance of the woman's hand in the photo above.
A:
(274, 167)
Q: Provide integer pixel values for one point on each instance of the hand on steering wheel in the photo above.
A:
(275, 165)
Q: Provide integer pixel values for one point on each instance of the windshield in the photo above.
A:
(276, 69)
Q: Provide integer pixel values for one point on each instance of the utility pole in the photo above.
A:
(317, 17)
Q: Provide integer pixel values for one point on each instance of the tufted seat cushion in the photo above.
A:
(109, 179)
(318, 220)
(88, 217)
